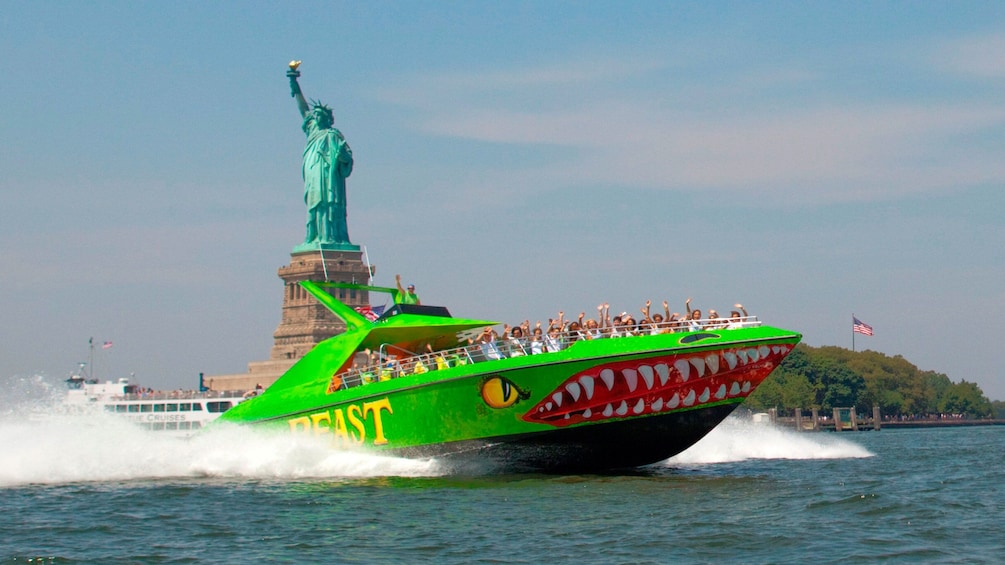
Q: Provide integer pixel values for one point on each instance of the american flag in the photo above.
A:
(860, 327)
(370, 313)
(106, 345)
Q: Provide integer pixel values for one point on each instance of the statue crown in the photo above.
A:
(316, 105)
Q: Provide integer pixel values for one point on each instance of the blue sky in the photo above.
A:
(811, 160)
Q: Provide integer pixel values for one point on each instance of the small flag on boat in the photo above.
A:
(859, 326)
(370, 313)
(106, 345)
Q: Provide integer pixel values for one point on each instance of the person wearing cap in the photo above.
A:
(405, 296)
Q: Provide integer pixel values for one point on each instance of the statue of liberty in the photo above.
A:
(327, 163)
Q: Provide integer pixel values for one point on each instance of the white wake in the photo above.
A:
(44, 444)
(740, 439)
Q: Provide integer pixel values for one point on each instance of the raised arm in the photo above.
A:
(295, 91)
(397, 283)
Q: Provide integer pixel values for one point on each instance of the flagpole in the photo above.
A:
(853, 331)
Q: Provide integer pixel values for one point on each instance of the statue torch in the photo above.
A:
(294, 73)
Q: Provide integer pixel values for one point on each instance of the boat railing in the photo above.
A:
(181, 395)
(388, 365)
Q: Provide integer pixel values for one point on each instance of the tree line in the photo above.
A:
(829, 377)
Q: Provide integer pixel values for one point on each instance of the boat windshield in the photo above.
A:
(439, 311)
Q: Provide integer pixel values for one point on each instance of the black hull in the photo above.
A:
(611, 446)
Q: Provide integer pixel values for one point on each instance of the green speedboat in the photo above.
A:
(418, 382)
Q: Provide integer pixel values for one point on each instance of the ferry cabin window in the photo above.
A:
(197, 406)
(171, 426)
(172, 407)
(146, 407)
(109, 408)
(185, 407)
(120, 407)
(158, 426)
(218, 406)
(196, 425)
(158, 407)
(134, 407)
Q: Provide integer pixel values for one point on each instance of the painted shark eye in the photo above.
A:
(499, 392)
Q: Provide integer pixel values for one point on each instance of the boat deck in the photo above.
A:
(392, 362)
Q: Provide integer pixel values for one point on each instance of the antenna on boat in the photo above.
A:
(324, 265)
(90, 365)
(369, 269)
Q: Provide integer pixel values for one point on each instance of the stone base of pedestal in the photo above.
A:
(305, 322)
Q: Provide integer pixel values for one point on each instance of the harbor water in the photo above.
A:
(93, 489)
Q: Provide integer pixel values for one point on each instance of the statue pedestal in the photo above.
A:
(326, 247)
(305, 322)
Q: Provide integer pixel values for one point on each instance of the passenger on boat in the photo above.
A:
(514, 340)
(617, 325)
(603, 320)
(405, 296)
(365, 370)
(438, 358)
(575, 332)
(649, 324)
(391, 369)
(458, 358)
(714, 321)
(692, 323)
(487, 344)
(537, 340)
(735, 319)
(418, 367)
(553, 341)
(629, 327)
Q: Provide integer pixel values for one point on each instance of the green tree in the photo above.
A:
(836, 385)
(966, 399)
(828, 377)
(998, 406)
(787, 387)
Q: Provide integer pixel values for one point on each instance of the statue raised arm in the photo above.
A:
(295, 91)
(327, 162)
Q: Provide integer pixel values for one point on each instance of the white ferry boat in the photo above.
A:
(181, 412)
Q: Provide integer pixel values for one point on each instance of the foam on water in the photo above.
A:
(44, 444)
(99, 447)
(740, 439)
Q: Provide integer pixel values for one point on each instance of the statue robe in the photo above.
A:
(327, 163)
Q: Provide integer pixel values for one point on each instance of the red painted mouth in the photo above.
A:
(642, 387)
